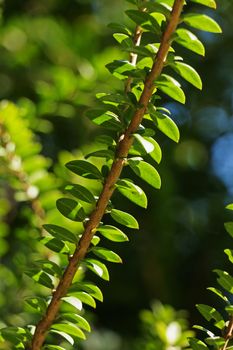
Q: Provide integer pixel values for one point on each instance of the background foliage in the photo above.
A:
(52, 58)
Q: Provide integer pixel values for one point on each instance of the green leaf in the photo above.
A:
(98, 268)
(133, 192)
(209, 333)
(106, 254)
(53, 347)
(49, 267)
(209, 3)
(147, 146)
(229, 309)
(73, 301)
(95, 240)
(121, 68)
(209, 313)
(187, 39)
(88, 287)
(156, 154)
(218, 293)
(104, 118)
(120, 27)
(70, 329)
(63, 335)
(123, 39)
(202, 22)
(71, 209)
(188, 73)
(145, 171)
(229, 227)
(229, 253)
(60, 233)
(78, 320)
(36, 303)
(15, 335)
(55, 245)
(112, 233)
(217, 342)
(170, 87)
(145, 20)
(229, 206)
(225, 280)
(124, 218)
(84, 169)
(197, 344)
(104, 153)
(80, 192)
(40, 277)
(165, 124)
(84, 297)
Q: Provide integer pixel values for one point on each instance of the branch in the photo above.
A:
(124, 144)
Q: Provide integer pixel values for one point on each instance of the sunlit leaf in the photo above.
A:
(78, 320)
(209, 3)
(60, 233)
(112, 233)
(71, 209)
(203, 22)
(189, 40)
(106, 254)
(188, 73)
(170, 87)
(80, 192)
(124, 218)
(88, 287)
(84, 169)
(225, 280)
(145, 171)
(133, 192)
(97, 267)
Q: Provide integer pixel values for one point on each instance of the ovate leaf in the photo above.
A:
(189, 40)
(84, 169)
(60, 233)
(147, 146)
(133, 192)
(75, 302)
(229, 227)
(40, 277)
(145, 171)
(165, 124)
(188, 73)
(63, 335)
(78, 320)
(197, 344)
(106, 119)
(38, 304)
(225, 280)
(106, 254)
(84, 297)
(88, 287)
(70, 329)
(80, 192)
(209, 313)
(170, 87)
(229, 253)
(124, 218)
(71, 209)
(112, 233)
(202, 22)
(98, 268)
(209, 3)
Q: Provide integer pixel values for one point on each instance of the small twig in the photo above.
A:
(122, 151)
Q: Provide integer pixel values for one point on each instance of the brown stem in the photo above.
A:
(229, 333)
(124, 145)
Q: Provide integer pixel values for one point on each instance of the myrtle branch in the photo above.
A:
(124, 144)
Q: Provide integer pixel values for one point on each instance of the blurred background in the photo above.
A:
(52, 63)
